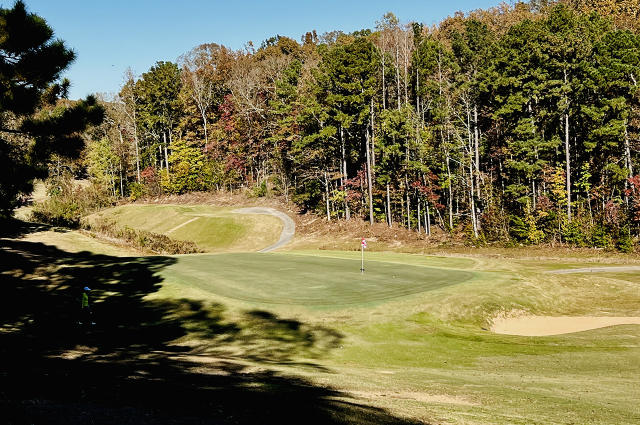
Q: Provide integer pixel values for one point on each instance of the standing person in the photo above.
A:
(85, 312)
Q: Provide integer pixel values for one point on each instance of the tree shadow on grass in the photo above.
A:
(140, 364)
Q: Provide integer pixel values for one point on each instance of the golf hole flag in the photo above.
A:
(363, 243)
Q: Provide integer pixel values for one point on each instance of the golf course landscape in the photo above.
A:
(238, 336)
(360, 213)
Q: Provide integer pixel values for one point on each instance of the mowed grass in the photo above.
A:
(307, 280)
(414, 333)
(213, 229)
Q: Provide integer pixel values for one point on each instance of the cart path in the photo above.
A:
(596, 270)
(288, 229)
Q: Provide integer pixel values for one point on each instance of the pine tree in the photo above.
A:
(31, 62)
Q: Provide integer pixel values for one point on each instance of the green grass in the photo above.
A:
(412, 328)
(213, 229)
(307, 280)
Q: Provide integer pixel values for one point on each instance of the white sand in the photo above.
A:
(549, 325)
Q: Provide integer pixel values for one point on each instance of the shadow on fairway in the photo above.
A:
(127, 370)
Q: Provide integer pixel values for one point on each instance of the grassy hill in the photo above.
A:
(214, 229)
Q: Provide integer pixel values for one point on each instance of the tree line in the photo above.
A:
(513, 123)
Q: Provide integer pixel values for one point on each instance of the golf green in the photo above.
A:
(283, 278)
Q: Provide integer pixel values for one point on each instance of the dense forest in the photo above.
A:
(517, 123)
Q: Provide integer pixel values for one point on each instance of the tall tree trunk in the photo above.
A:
(389, 217)
(373, 137)
(476, 148)
(427, 219)
(406, 68)
(567, 152)
(568, 159)
(384, 84)
(419, 217)
(627, 149)
(204, 124)
(369, 188)
(121, 182)
(347, 212)
(472, 203)
(406, 183)
(450, 183)
(166, 155)
(326, 195)
(398, 76)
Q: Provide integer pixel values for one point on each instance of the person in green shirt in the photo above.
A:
(85, 312)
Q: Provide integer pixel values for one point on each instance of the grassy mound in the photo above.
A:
(212, 229)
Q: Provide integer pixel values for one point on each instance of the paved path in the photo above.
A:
(288, 229)
(596, 270)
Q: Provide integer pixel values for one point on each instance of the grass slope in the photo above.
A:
(213, 229)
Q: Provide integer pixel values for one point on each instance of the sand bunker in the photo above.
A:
(548, 325)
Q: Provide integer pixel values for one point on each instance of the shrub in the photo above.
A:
(137, 191)
(600, 237)
(68, 202)
(141, 239)
(625, 241)
(574, 233)
(58, 211)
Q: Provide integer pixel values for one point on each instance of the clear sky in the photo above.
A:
(110, 36)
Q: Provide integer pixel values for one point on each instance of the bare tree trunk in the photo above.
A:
(419, 217)
(204, 123)
(567, 153)
(427, 220)
(389, 217)
(347, 213)
(474, 222)
(627, 150)
(326, 195)
(135, 138)
(568, 159)
(369, 180)
(398, 76)
(384, 88)
(450, 183)
(373, 137)
(476, 148)
(121, 183)
(472, 205)
(406, 67)
(406, 183)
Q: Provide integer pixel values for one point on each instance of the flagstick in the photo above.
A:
(362, 250)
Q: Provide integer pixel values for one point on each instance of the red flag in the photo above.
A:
(364, 243)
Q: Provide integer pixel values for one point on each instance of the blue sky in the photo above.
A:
(109, 36)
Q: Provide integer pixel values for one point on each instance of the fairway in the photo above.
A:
(307, 280)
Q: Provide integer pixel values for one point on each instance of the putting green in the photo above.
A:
(284, 278)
